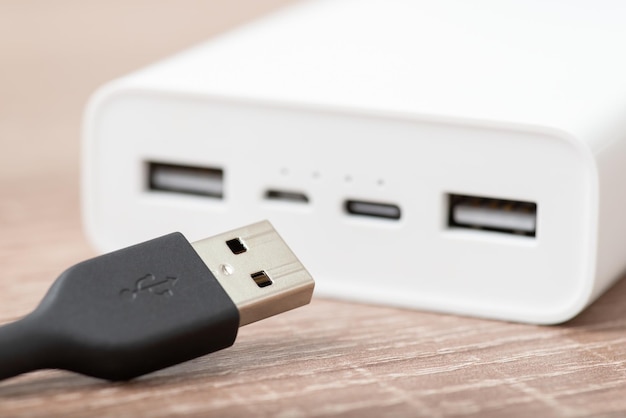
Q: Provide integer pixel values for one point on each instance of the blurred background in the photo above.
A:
(54, 53)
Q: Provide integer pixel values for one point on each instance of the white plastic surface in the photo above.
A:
(441, 98)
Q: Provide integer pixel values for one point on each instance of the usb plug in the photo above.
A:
(156, 304)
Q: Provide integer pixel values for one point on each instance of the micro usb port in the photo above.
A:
(286, 196)
(194, 180)
(372, 209)
(499, 215)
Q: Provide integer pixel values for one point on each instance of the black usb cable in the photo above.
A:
(156, 304)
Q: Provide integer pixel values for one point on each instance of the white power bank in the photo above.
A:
(464, 157)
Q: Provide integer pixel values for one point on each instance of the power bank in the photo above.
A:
(463, 157)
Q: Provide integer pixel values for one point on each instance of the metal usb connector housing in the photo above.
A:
(257, 270)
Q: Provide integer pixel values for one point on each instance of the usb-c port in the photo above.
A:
(372, 209)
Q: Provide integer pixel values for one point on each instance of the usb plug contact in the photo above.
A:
(257, 269)
(156, 304)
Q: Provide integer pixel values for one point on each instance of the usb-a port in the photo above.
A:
(195, 180)
(489, 214)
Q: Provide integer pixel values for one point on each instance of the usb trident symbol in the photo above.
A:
(149, 283)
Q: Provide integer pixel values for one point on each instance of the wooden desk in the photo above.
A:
(329, 358)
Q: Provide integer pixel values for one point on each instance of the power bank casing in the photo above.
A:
(407, 105)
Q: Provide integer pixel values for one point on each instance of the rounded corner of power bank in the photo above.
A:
(568, 309)
(578, 143)
(102, 97)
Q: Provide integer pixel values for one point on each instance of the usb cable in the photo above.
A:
(156, 304)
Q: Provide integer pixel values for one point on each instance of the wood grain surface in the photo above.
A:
(330, 358)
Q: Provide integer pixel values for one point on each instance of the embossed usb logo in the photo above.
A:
(150, 284)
